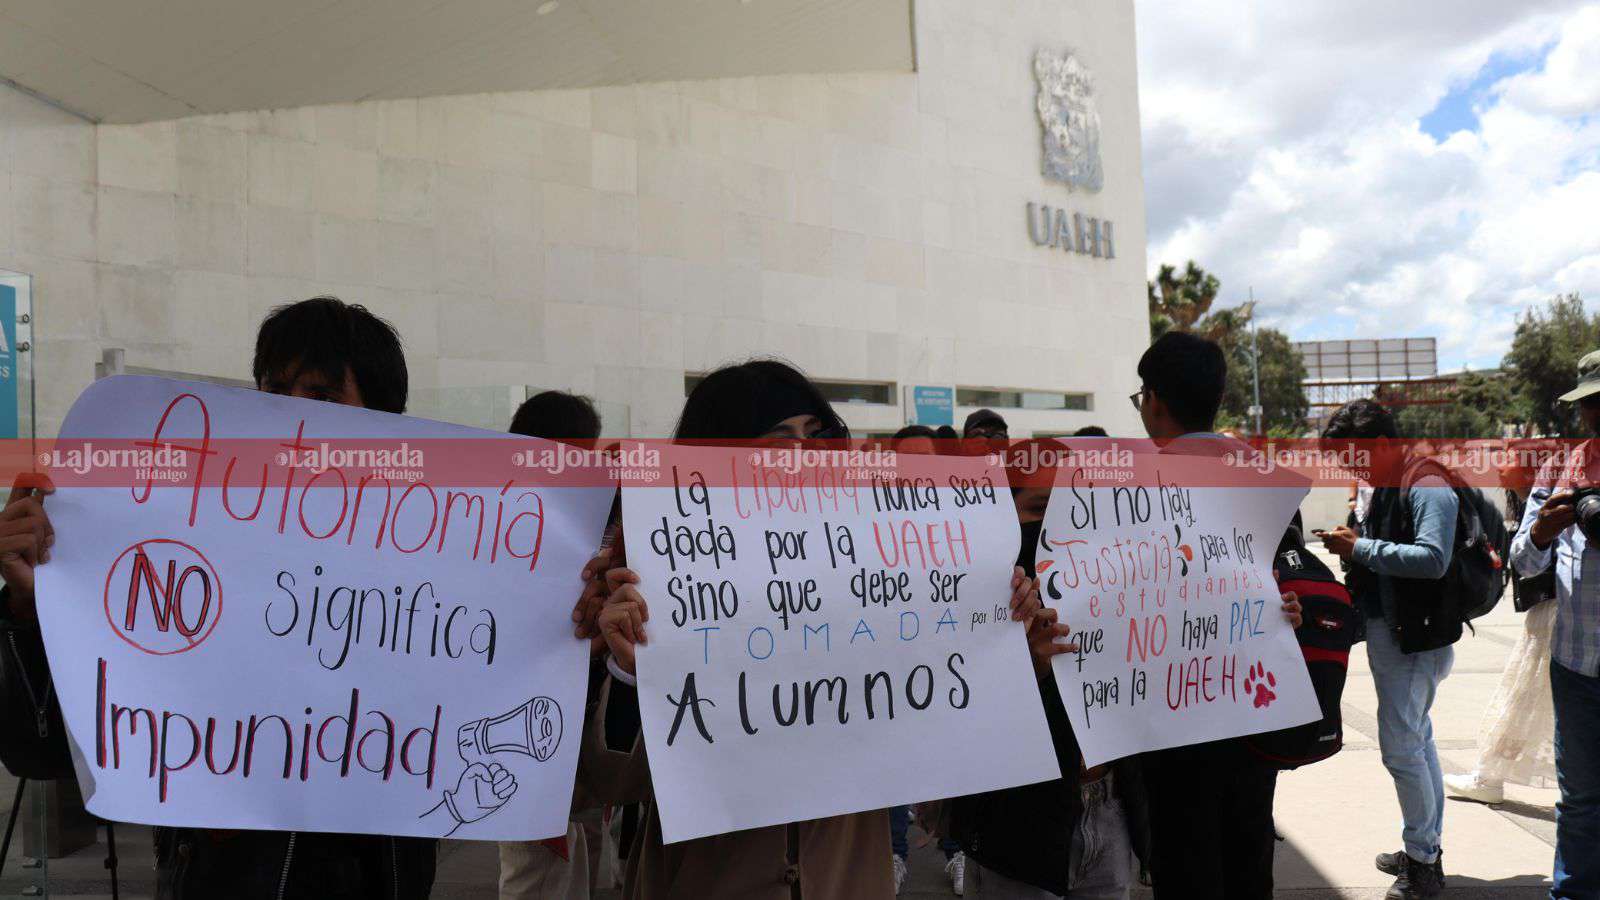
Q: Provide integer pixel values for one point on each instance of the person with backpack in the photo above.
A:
(1398, 565)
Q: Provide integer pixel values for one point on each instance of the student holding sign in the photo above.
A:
(558, 868)
(318, 349)
(837, 858)
(1075, 836)
(1210, 803)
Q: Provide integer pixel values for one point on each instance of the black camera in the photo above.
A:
(1586, 503)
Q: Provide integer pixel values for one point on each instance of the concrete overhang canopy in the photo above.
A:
(141, 60)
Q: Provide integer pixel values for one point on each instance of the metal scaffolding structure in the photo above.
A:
(1397, 372)
(1326, 396)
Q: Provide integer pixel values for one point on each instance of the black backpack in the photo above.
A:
(1329, 627)
(1476, 578)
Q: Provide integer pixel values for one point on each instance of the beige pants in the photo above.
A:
(531, 871)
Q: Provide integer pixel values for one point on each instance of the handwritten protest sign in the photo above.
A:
(272, 613)
(1162, 565)
(829, 633)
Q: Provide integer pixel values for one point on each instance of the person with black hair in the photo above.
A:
(319, 349)
(839, 858)
(1397, 566)
(1090, 431)
(1075, 836)
(914, 439)
(1211, 828)
(560, 868)
(558, 416)
(1182, 377)
(326, 349)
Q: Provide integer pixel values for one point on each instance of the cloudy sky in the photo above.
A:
(1377, 168)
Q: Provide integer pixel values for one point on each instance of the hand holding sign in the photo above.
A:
(1046, 639)
(26, 537)
(622, 620)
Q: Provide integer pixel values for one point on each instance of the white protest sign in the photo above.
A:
(829, 633)
(1162, 565)
(271, 613)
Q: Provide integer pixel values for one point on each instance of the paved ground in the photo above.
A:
(1335, 816)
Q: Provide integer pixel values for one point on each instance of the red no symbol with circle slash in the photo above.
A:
(163, 597)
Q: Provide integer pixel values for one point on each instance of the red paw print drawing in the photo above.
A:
(1260, 683)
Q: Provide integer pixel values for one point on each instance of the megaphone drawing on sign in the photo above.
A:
(532, 729)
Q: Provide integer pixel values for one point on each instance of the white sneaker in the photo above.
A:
(899, 873)
(1471, 787)
(956, 869)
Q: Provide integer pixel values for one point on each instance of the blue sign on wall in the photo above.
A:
(933, 405)
(8, 361)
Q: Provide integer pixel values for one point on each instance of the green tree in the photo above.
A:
(1283, 374)
(1182, 302)
(1481, 405)
(1179, 301)
(1543, 362)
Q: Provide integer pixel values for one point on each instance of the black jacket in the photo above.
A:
(1423, 613)
(196, 864)
(201, 864)
(1025, 832)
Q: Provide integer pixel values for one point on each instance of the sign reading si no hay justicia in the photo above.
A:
(336, 641)
(1163, 567)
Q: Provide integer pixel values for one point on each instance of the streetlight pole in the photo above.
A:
(1255, 362)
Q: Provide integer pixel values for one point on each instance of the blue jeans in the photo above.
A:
(899, 823)
(1577, 701)
(1406, 684)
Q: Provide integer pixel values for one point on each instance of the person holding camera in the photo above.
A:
(1562, 523)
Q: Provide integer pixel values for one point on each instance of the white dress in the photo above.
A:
(1516, 737)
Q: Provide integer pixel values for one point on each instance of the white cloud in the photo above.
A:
(1283, 151)
(1569, 84)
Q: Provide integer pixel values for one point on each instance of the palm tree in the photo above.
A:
(1178, 302)
(1227, 325)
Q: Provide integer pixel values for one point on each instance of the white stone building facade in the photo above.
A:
(872, 227)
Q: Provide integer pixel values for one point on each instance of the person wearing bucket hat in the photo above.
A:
(1588, 379)
(1548, 532)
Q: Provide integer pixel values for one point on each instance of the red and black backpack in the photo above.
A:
(1330, 626)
